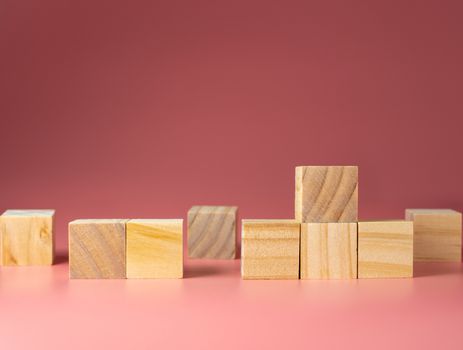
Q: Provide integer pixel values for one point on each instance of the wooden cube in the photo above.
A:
(270, 249)
(328, 250)
(26, 237)
(385, 249)
(437, 234)
(155, 248)
(212, 232)
(326, 194)
(97, 248)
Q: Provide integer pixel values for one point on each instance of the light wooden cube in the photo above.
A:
(270, 249)
(155, 248)
(97, 248)
(328, 250)
(326, 194)
(437, 234)
(385, 249)
(26, 237)
(212, 232)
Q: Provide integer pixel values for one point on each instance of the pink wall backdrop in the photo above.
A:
(144, 108)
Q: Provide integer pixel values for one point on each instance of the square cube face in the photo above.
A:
(97, 248)
(270, 249)
(27, 237)
(155, 248)
(385, 249)
(212, 232)
(437, 234)
(328, 250)
(326, 194)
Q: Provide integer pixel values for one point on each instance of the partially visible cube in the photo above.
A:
(97, 248)
(385, 249)
(26, 237)
(270, 249)
(328, 250)
(437, 234)
(155, 248)
(326, 194)
(212, 232)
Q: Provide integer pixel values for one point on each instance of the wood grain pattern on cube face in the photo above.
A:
(385, 249)
(326, 194)
(270, 249)
(26, 237)
(155, 248)
(328, 250)
(437, 234)
(212, 232)
(97, 248)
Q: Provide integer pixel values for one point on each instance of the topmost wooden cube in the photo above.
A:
(326, 194)
(212, 232)
(26, 237)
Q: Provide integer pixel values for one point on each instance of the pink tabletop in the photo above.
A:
(213, 308)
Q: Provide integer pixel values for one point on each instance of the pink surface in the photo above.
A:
(145, 108)
(213, 308)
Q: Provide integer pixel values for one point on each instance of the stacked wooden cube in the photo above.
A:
(326, 207)
(334, 244)
(326, 240)
(115, 248)
(321, 242)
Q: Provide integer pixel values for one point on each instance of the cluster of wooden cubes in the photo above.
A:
(326, 240)
(26, 238)
(116, 248)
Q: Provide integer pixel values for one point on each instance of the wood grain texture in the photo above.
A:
(326, 194)
(270, 249)
(385, 249)
(437, 234)
(97, 248)
(212, 232)
(155, 248)
(26, 237)
(328, 250)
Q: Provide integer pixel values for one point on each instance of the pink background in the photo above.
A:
(145, 108)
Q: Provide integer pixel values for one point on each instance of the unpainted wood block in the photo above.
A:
(437, 234)
(155, 248)
(26, 237)
(270, 249)
(212, 232)
(385, 249)
(326, 194)
(328, 250)
(97, 248)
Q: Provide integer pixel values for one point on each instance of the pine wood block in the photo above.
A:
(270, 249)
(385, 249)
(437, 234)
(155, 248)
(97, 248)
(326, 194)
(328, 250)
(26, 237)
(212, 232)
